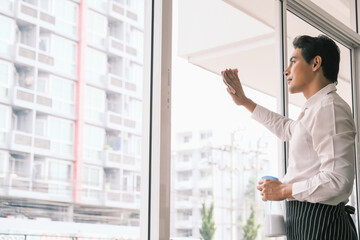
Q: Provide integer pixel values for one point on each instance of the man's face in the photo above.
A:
(299, 73)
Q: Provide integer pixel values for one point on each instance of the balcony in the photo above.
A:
(115, 45)
(30, 56)
(113, 120)
(21, 141)
(114, 83)
(184, 165)
(117, 198)
(182, 203)
(25, 54)
(184, 185)
(23, 97)
(18, 185)
(112, 159)
(132, 126)
(130, 162)
(52, 190)
(116, 10)
(31, 13)
(42, 145)
(184, 222)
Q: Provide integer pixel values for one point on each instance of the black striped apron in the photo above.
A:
(316, 221)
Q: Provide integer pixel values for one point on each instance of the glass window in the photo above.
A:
(96, 66)
(134, 37)
(92, 182)
(3, 167)
(229, 150)
(46, 5)
(6, 35)
(7, 6)
(133, 108)
(61, 133)
(66, 13)
(99, 5)
(64, 52)
(63, 95)
(97, 28)
(95, 104)
(94, 143)
(59, 170)
(5, 78)
(4, 125)
(339, 9)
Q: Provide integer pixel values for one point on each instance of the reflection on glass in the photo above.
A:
(218, 152)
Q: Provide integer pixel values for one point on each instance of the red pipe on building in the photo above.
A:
(80, 102)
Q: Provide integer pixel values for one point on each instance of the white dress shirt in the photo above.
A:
(321, 147)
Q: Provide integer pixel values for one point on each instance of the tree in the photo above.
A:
(207, 230)
(250, 229)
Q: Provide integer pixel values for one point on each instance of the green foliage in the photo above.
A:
(250, 229)
(207, 230)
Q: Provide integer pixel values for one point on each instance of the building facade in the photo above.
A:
(70, 109)
(210, 169)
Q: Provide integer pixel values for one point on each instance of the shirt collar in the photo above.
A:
(319, 95)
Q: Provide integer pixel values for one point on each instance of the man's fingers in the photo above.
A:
(228, 81)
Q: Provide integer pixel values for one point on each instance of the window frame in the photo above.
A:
(318, 18)
(158, 71)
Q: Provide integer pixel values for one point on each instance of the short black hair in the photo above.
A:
(324, 47)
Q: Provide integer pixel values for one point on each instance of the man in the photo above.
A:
(320, 175)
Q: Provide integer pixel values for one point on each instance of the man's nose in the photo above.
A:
(286, 72)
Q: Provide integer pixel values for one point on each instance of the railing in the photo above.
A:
(62, 236)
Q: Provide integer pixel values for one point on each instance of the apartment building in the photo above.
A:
(70, 110)
(213, 167)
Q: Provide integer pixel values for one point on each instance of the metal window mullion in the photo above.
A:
(355, 73)
(155, 198)
(322, 20)
(282, 96)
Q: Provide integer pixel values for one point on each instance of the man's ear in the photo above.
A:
(316, 63)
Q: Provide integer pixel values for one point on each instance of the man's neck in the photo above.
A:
(317, 85)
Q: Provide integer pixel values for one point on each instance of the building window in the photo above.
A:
(3, 167)
(7, 6)
(6, 35)
(64, 52)
(99, 5)
(186, 157)
(5, 78)
(46, 5)
(66, 13)
(184, 232)
(92, 182)
(97, 28)
(184, 215)
(95, 104)
(59, 176)
(132, 144)
(4, 123)
(93, 143)
(186, 139)
(63, 95)
(205, 173)
(61, 133)
(184, 176)
(96, 66)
